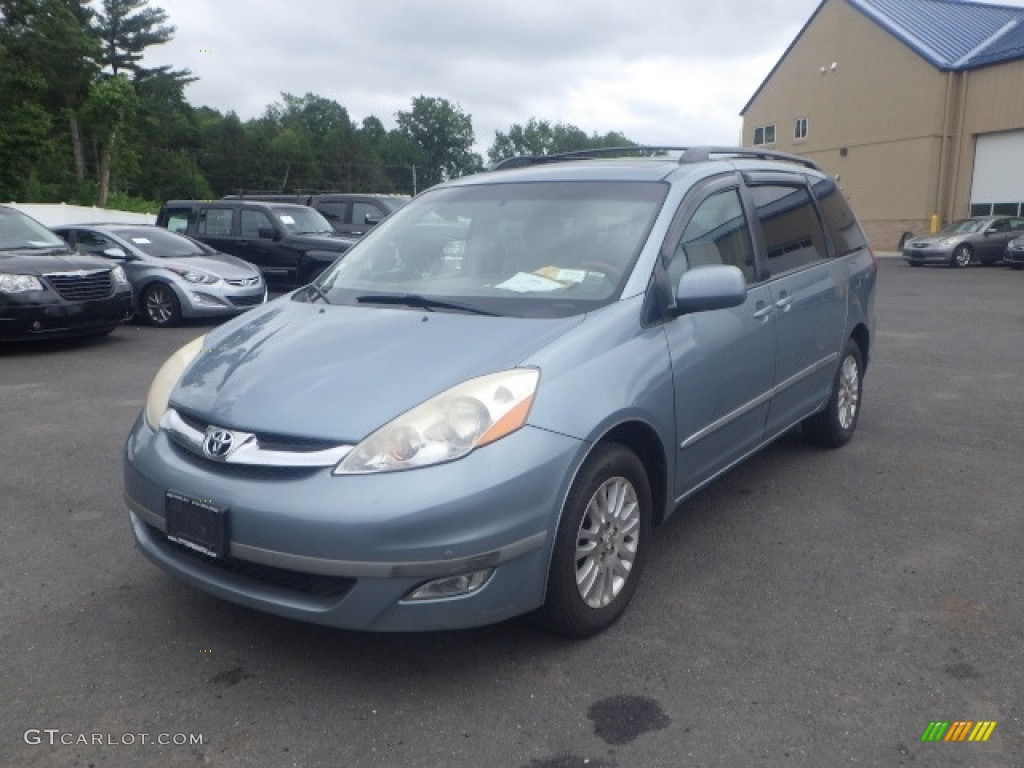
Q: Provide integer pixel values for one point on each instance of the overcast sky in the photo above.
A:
(659, 71)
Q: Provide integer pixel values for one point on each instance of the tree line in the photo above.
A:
(82, 120)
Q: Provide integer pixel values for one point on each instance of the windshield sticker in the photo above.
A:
(141, 240)
(525, 282)
(287, 219)
(565, 276)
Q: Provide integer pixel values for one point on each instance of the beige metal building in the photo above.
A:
(917, 106)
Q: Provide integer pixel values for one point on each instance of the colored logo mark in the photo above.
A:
(958, 730)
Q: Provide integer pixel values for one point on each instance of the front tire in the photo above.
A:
(601, 544)
(834, 426)
(160, 305)
(962, 256)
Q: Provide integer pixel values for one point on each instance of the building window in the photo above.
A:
(1006, 209)
(764, 134)
(800, 128)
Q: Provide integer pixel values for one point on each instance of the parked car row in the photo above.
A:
(984, 239)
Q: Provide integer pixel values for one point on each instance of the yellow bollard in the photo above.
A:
(934, 223)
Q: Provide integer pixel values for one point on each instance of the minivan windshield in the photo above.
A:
(539, 249)
(17, 231)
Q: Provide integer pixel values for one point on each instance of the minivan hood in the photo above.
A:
(42, 262)
(340, 372)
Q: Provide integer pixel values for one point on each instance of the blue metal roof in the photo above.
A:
(951, 34)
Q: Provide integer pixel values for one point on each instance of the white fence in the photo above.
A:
(56, 214)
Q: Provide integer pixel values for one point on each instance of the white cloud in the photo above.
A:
(665, 71)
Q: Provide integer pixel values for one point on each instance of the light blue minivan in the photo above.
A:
(487, 406)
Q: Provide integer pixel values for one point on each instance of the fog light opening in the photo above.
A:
(450, 586)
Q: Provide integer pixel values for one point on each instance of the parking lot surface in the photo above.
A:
(810, 608)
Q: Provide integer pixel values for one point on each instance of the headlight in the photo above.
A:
(166, 378)
(951, 241)
(195, 276)
(19, 283)
(118, 275)
(448, 426)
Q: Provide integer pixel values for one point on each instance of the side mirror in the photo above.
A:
(707, 288)
(372, 220)
(267, 233)
(114, 252)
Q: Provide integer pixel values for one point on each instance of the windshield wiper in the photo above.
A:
(316, 291)
(425, 302)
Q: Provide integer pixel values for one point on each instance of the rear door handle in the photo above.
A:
(784, 303)
(763, 310)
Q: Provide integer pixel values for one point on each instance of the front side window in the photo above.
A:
(717, 233)
(250, 222)
(792, 231)
(543, 249)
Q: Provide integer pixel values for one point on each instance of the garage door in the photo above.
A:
(998, 185)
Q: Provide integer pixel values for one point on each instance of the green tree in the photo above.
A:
(108, 112)
(444, 135)
(50, 39)
(126, 28)
(540, 137)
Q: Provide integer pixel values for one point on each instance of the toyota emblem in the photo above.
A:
(218, 442)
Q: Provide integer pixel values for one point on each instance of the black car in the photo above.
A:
(290, 243)
(48, 290)
(349, 213)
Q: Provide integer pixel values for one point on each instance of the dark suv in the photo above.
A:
(290, 243)
(350, 214)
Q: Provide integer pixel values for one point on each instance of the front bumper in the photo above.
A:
(346, 551)
(24, 317)
(214, 301)
(1013, 256)
(928, 255)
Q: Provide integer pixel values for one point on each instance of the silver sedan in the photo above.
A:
(172, 276)
(980, 239)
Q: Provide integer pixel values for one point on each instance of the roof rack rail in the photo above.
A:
(702, 154)
(686, 155)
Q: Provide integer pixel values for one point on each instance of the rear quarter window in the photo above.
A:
(846, 234)
(792, 232)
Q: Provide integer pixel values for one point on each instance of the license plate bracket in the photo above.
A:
(198, 524)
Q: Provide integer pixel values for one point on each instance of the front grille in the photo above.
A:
(268, 440)
(246, 301)
(312, 584)
(82, 286)
(242, 281)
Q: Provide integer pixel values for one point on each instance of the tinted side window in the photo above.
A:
(251, 221)
(177, 219)
(361, 210)
(717, 233)
(846, 234)
(215, 221)
(333, 212)
(792, 232)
